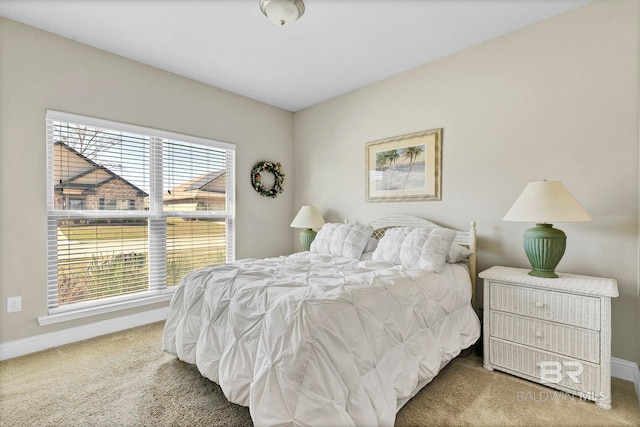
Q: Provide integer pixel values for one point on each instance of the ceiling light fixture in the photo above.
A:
(282, 12)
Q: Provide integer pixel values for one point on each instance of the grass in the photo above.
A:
(176, 227)
(102, 269)
(181, 263)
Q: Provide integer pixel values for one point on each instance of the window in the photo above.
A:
(131, 210)
(76, 204)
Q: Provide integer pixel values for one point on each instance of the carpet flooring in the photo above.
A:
(123, 379)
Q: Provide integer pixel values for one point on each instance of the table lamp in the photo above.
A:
(545, 202)
(307, 218)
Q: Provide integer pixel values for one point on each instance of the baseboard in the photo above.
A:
(628, 371)
(11, 349)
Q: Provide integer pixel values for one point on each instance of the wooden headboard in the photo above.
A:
(465, 238)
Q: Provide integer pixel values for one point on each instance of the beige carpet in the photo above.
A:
(124, 379)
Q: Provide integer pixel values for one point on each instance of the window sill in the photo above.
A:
(73, 314)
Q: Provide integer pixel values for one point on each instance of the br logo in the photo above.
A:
(553, 372)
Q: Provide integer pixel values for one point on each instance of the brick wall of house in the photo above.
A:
(114, 190)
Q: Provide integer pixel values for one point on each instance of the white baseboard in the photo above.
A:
(41, 342)
(628, 371)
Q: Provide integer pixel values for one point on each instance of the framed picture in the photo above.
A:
(404, 168)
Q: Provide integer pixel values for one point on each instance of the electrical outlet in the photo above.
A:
(14, 304)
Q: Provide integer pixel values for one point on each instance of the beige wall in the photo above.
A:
(40, 71)
(556, 100)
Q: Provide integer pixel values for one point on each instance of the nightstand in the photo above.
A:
(556, 332)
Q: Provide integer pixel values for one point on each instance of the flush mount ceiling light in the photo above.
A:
(282, 12)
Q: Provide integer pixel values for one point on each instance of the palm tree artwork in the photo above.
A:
(387, 162)
(411, 153)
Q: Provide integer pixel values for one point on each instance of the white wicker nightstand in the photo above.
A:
(556, 332)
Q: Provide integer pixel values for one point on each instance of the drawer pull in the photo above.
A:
(538, 334)
(537, 365)
(539, 304)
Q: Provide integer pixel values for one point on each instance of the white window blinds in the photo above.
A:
(131, 210)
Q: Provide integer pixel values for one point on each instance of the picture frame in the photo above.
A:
(405, 168)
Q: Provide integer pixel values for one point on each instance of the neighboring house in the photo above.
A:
(206, 192)
(86, 185)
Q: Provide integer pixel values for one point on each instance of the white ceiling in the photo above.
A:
(337, 46)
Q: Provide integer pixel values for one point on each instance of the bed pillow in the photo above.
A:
(372, 244)
(366, 256)
(345, 240)
(320, 244)
(426, 248)
(349, 240)
(388, 249)
(458, 253)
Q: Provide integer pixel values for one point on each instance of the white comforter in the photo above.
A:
(313, 339)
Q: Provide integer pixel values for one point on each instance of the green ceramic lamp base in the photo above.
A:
(306, 237)
(544, 246)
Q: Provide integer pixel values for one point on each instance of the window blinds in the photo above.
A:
(131, 210)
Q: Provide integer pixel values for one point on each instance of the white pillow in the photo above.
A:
(388, 249)
(372, 244)
(345, 240)
(366, 256)
(320, 244)
(458, 253)
(426, 248)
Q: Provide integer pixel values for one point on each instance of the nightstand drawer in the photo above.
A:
(577, 310)
(528, 362)
(567, 340)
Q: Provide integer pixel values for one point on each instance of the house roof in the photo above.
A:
(209, 185)
(203, 182)
(80, 172)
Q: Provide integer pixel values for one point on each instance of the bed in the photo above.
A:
(344, 334)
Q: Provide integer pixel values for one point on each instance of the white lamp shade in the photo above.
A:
(282, 12)
(546, 202)
(307, 217)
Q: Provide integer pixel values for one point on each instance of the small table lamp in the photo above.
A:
(544, 202)
(308, 217)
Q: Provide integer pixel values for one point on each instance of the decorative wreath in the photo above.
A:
(256, 179)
